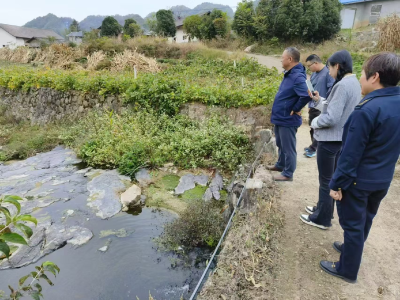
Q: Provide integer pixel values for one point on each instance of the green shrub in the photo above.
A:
(132, 140)
(200, 224)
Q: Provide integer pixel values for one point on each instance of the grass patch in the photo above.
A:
(194, 194)
(170, 182)
(21, 140)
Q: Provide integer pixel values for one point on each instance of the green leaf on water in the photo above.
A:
(6, 213)
(4, 248)
(13, 238)
(27, 218)
(46, 278)
(49, 263)
(23, 279)
(39, 287)
(35, 295)
(24, 229)
(13, 200)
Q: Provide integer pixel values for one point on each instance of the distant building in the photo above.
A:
(15, 36)
(360, 13)
(181, 36)
(75, 37)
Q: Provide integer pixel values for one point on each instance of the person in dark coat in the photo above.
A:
(371, 149)
(292, 96)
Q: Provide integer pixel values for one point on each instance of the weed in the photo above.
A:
(200, 224)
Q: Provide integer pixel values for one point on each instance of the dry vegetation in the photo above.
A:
(111, 54)
(245, 270)
(389, 37)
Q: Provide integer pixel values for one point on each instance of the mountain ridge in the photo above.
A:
(61, 24)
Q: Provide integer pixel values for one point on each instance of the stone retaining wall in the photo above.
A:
(46, 105)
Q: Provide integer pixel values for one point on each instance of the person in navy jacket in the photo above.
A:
(371, 148)
(292, 96)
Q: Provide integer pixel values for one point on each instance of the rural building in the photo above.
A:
(75, 37)
(181, 36)
(14, 36)
(360, 13)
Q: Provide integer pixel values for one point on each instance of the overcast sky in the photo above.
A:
(19, 12)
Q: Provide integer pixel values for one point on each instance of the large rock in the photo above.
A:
(214, 189)
(104, 194)
(143, 177)
(264, 175)
(131, 197)
(46, 239)
(188, 182)
(262, 137)
(253, 190)
(271, 148)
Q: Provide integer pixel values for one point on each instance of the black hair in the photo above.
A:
(345, 62)
(314, 58)
(387, 65)
(293, 53)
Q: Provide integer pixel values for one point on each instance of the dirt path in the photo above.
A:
(269, 61)
(303, 246)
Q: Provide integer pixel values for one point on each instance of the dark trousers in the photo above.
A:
(312, 114)
(327, 157)
(286, 142)
(356, 212)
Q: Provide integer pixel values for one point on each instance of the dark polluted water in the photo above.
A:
(130, 266)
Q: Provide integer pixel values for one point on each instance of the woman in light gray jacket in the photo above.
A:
(341, 100)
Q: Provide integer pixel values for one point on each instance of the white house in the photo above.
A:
(360, 13)
(75, 37)
(181, 36)
(14, 36)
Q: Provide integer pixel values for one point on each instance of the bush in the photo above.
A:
(200, 224)
(129, 141)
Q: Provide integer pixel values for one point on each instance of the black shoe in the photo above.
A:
(308, 149)
(330, 268)
(337, 246)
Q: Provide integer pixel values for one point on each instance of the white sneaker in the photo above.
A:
(310, 209)
(306, 219)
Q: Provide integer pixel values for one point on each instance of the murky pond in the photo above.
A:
(119, 261)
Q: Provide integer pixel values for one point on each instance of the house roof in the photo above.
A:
(179, 23)
(28, 33)
(77, 34)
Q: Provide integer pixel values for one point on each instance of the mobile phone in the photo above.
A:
(310, 86)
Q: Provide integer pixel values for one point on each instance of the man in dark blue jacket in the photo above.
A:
(371, 148)
(292, 96)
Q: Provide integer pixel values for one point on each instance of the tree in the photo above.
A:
(74, 27)
(214, 24)
(132, 28)
(287, 20)
(265, 18)
(110, 27)
(165, 23)
(151, 22)
(331, 21)
(243, 21)
(192, 25)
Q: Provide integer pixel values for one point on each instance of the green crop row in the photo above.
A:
(216, 82)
